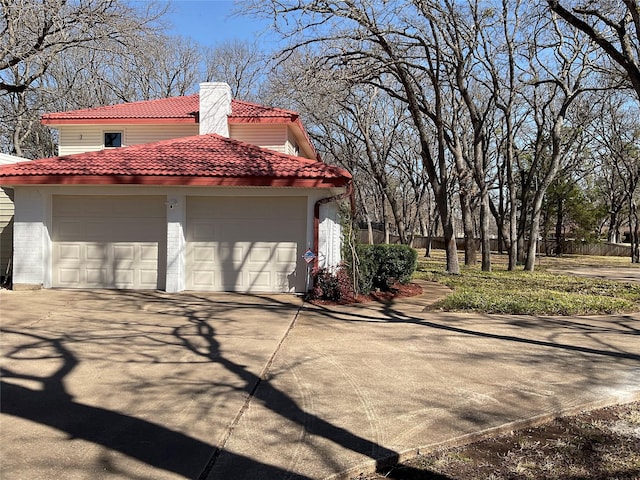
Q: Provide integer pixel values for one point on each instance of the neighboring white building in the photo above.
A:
(6, 222)
(200, 192)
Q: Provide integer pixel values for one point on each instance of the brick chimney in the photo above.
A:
(215, 105)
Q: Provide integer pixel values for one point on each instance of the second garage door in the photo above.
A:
(246, 244)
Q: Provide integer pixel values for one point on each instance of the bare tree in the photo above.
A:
(35, 32)
(560, 66)
(380, 46)
(242, 64)
(614, 25)
(42, 36)
(618, 142)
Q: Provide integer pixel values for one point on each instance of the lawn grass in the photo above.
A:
(541, 292)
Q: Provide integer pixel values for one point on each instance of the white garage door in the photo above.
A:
(246, 244)
(109, 242)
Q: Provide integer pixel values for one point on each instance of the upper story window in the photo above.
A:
(112, 139)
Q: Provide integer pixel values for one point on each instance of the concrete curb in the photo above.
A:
(373, 466)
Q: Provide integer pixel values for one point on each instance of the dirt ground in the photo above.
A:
(398, 290)
(599, 444)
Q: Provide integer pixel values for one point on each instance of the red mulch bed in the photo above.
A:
(398, 290)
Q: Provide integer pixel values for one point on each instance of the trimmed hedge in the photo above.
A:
(380, 266)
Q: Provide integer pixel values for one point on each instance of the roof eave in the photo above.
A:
(177, 180)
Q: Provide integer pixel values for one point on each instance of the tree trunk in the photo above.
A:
(634, 231)
(559, 222)
(465, 185)
(451, 246)
(433, 227)
(485, 214)
(470, 250)
(613, 235)
(534, 232)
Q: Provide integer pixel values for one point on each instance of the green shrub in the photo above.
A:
(380, 266)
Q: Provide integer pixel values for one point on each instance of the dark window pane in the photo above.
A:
(113, 139)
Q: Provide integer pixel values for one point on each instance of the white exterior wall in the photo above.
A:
(292, 147)
(89, 138)
(32, 240)
(215, 107)
(330, 236)
(176, 242)
(273, 137)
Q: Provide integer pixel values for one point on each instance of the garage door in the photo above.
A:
(109, 242)
(246, 244)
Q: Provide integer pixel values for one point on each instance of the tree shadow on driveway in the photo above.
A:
(144, 439)
(154, 444)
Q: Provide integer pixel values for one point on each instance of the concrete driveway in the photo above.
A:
(135, 385)
(150, 385)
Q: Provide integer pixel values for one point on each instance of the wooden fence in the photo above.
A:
(569, 247)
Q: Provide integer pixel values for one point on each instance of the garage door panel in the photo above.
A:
(148, 278)
(148, 252)
(204, 279)
(251, 244)
(203, 253)
(69, 251)
(96, 252)
(229, 253)
(260, 254)
(123, 277)
(69, 276)
(260, 280)
(286, 254)
(124, 252)
(95, 277)
(108, 242)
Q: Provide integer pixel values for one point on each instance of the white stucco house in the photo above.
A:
(199, 192)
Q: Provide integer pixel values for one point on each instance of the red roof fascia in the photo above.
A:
(178, 180)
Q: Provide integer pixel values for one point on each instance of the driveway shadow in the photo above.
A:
(50, 404)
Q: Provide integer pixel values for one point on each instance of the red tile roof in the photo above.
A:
(198, 160)
(243, 110)
(174, 110)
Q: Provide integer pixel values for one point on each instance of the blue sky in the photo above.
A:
(212, 21)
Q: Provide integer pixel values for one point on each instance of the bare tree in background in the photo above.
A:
(370, 43)
(239, 63)
(614, 25)
(561, 71)
(36, 36)
(617, 137)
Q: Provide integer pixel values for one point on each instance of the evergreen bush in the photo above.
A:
(380, 266)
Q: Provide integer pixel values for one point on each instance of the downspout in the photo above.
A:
(316, 216)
